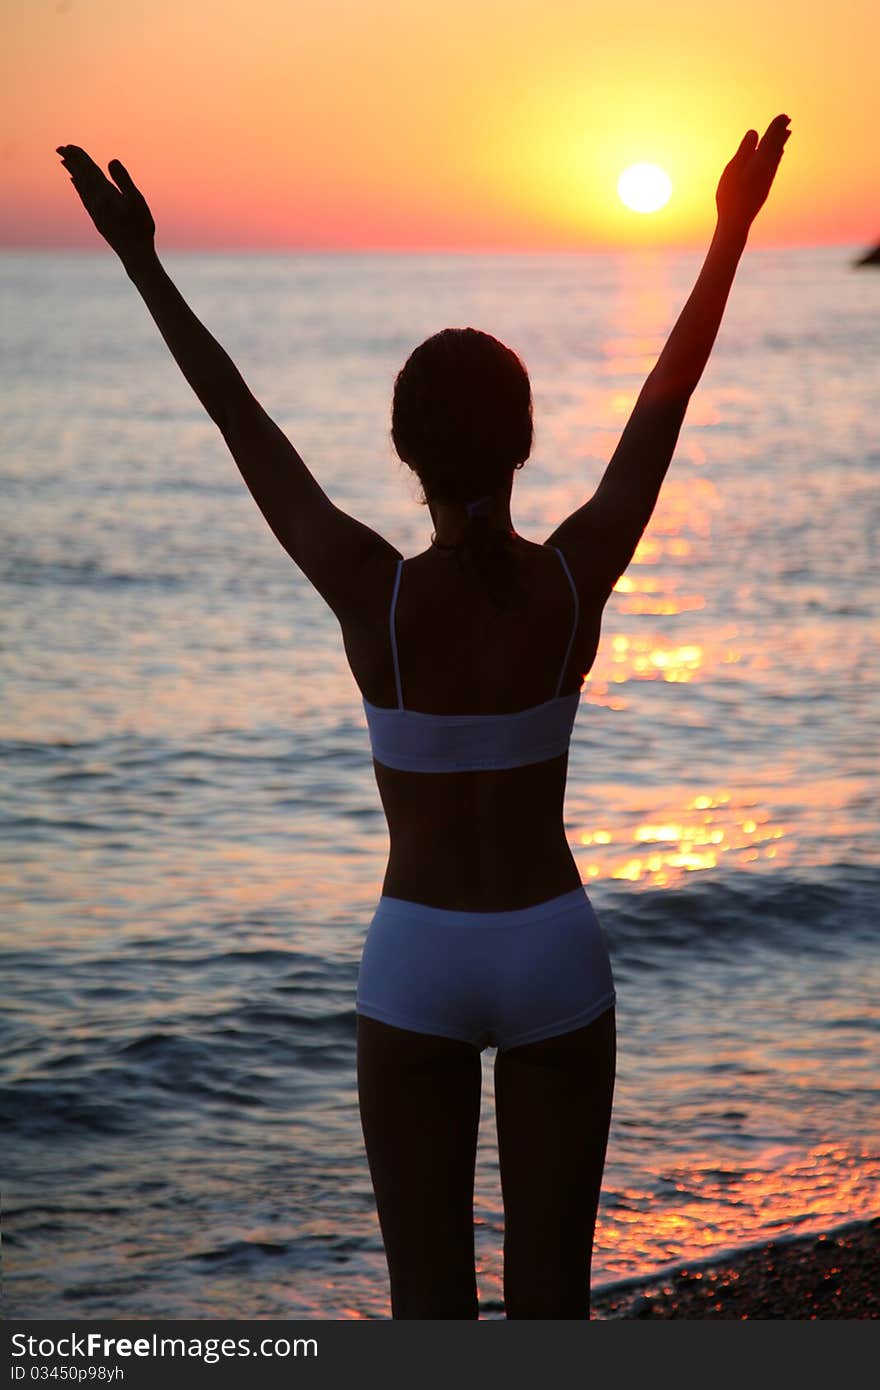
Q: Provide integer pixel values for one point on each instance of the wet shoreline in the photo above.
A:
(831, 1275)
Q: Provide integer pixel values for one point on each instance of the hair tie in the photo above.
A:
(482, 506)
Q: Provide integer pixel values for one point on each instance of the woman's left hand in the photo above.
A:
(120, 213)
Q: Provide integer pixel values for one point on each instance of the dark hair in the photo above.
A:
(461, 419)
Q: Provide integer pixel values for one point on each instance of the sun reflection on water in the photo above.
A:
(711, 827)
(692, 1211)
(642, 657)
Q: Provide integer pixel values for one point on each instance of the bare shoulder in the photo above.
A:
(582, 540)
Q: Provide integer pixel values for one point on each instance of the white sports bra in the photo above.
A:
(414, 741)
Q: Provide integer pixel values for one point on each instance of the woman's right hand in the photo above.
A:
(745, 183)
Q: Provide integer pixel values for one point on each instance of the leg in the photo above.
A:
(553, 1103)
(419, 1098)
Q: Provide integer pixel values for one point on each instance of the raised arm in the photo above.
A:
(600, 538)
(339, 554)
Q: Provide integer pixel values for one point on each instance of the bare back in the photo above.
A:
(491, 840)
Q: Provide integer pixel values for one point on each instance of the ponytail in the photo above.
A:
(491, 552)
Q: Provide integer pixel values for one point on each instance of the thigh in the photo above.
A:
(553, 1110)
(419, 1099)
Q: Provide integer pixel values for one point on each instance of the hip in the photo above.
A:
(499, 977)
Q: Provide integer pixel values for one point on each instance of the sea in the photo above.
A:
(193, 842)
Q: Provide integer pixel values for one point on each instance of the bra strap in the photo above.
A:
(576, 619)
(394, 634)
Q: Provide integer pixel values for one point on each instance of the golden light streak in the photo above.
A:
(640, 658)
(708, 829)
(724, 1205)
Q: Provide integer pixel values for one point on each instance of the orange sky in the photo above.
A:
(436, 124)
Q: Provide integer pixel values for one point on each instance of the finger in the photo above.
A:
(83, 169)
(78, 158)
(772, 145)
(776, 131)
(122, 177)
(745, 150)
(747, 144)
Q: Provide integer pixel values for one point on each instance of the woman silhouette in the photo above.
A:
(470, 658)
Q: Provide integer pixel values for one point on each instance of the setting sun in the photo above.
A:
(644, 187)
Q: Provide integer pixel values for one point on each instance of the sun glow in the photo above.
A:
(644, 187)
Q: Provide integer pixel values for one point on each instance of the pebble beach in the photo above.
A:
(834, 1275)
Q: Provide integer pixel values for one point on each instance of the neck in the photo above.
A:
(451, 518)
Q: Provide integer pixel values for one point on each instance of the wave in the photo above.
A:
(831, 909)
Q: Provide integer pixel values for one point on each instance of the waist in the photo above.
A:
(482, 842)
(428, 915)
(499, 882)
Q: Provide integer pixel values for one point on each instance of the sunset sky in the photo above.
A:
(436, 124)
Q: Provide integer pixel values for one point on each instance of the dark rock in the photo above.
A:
(871, 257)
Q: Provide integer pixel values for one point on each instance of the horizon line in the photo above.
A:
(614, 249)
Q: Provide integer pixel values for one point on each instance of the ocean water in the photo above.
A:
(193, 842)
